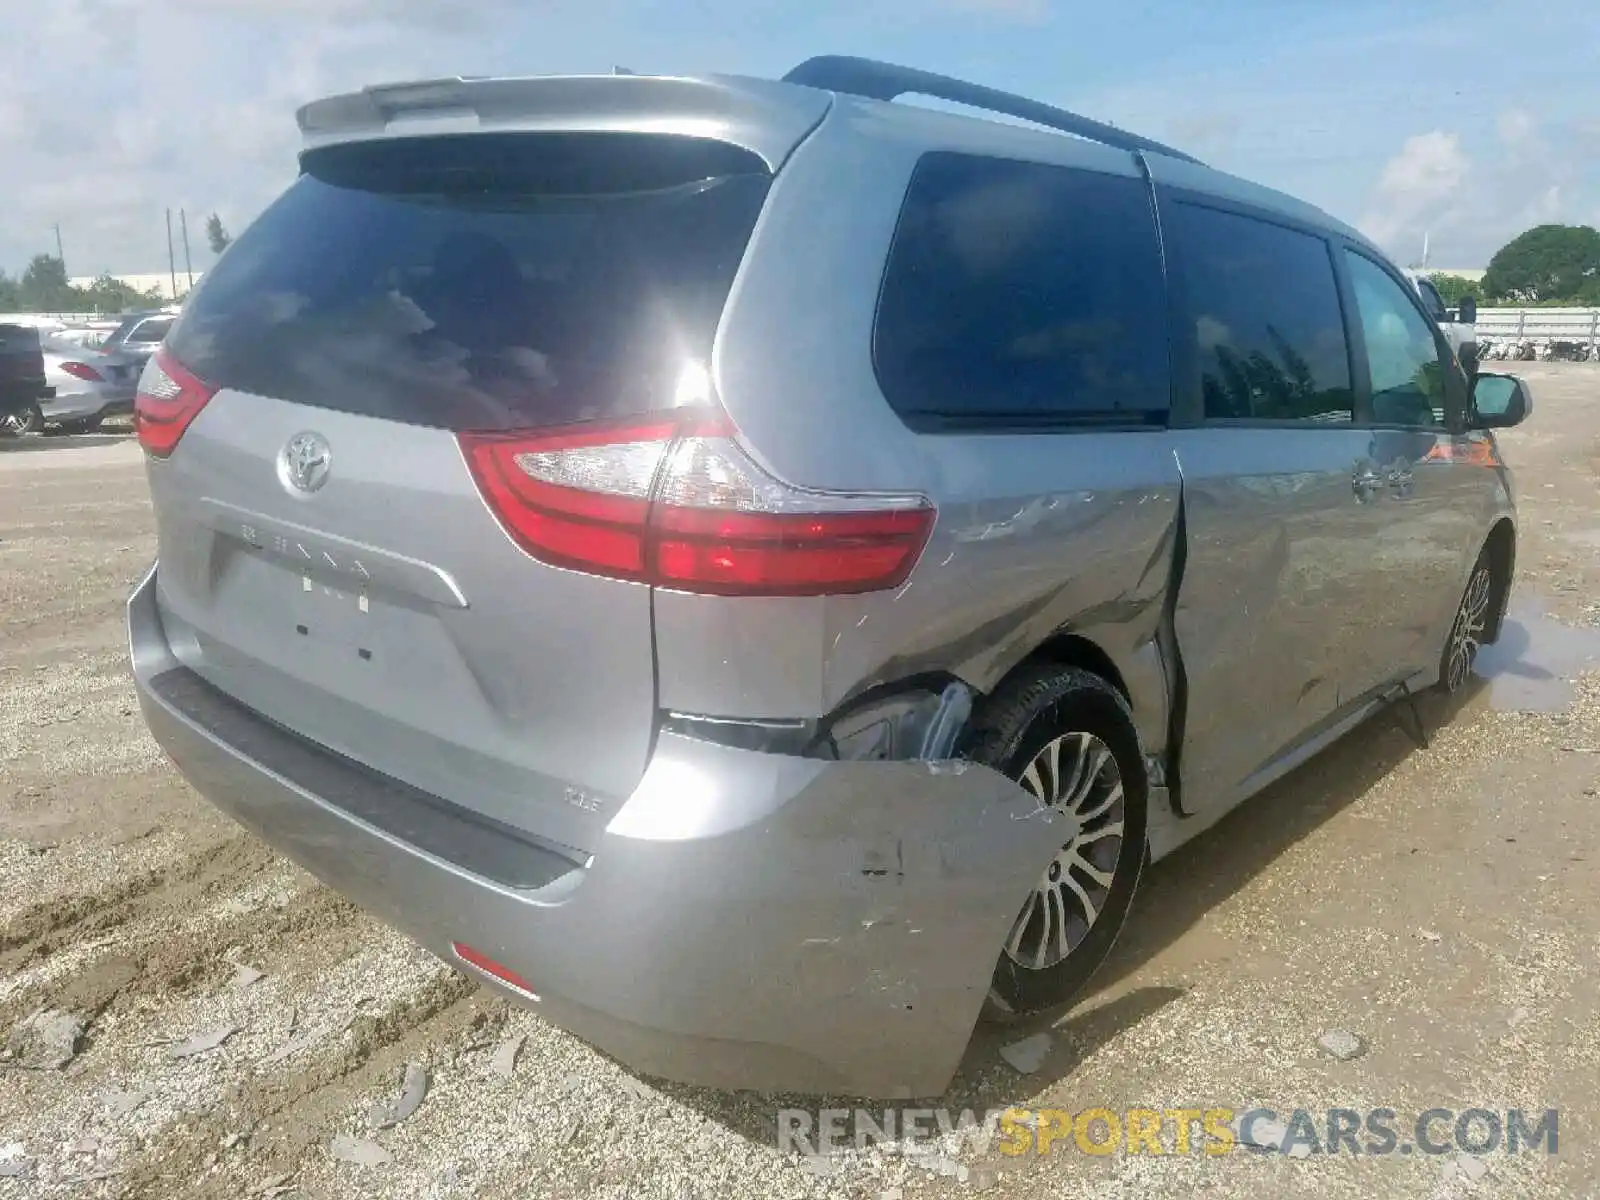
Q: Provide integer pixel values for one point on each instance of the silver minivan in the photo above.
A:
(754, 569)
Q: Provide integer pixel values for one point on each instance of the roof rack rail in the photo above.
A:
(885, 81)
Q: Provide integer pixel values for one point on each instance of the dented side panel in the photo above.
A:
(1037, 536)
(1277, 582)
(1039, 533)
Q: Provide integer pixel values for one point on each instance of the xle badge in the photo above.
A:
(582, 799)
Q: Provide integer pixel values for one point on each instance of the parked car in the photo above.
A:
(139, 334)
(22, 380)
(754, 570)
(89, 335)
(1459, 325)
(90, 385)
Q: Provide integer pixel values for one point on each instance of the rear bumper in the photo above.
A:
(748, 921)
(75, 406)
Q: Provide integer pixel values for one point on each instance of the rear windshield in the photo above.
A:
(152, 330)
(18, 339)
(490, 281)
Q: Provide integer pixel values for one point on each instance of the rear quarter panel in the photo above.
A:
(1036, 533)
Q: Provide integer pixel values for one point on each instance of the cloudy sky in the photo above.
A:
(1471, 123)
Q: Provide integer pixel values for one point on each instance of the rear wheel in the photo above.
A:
(1066, 736)
(25, 420)
(1466, 632)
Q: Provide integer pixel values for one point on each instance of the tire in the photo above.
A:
(1083, 717)
(82, 425)
(1466, 631)
(25, 420)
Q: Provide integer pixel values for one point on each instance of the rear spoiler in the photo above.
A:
(768, 119)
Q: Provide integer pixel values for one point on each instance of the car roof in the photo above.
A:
(765, 116)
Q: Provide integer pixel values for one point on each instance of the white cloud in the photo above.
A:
(1419, 187)
(1515, 126)
(113, 110)
(190, 106)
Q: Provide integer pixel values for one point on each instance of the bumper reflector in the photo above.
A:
(494, 970)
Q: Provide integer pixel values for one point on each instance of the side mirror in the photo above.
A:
(1469, 310)
(1500, 401)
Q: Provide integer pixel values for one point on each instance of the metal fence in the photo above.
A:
(1542, 327)
(51, 322)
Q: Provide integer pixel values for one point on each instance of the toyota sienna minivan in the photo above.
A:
(754, 569)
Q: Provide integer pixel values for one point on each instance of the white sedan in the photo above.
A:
(90, 385)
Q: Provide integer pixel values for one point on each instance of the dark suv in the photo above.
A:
(22, 381)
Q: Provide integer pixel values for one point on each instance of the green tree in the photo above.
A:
(1547, 263)
(216, 234)
(1453, 289)
(108, 295)
(44, 286)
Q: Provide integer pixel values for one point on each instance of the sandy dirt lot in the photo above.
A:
(1440, 905)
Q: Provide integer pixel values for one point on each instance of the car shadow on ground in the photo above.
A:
(64, 441)
(1175, 894)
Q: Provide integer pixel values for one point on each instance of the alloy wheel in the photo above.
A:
(1076, 778)
(1467, 633)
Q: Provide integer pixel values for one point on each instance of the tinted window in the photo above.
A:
(1431, 300)
(1408, 375)
(151, 331)
(1265, 303)
(1023, 292)
(488, 281)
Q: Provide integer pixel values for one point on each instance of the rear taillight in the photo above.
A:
(168, 401)
(677, 502)
(82, 371)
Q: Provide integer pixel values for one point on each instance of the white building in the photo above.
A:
(160, 283)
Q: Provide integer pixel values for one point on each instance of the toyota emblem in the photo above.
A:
(304, 463)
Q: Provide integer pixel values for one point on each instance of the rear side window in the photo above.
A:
(483, 282)
(150, 331)
(1017, 292)
(1432, 301)
(1267, 322)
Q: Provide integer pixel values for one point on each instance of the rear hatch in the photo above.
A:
(21, 365)
(325, 555)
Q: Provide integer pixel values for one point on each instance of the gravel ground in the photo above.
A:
(1437, 904)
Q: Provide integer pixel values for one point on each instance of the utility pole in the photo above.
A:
(60, 255)
(172, 262)
(188, 265)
